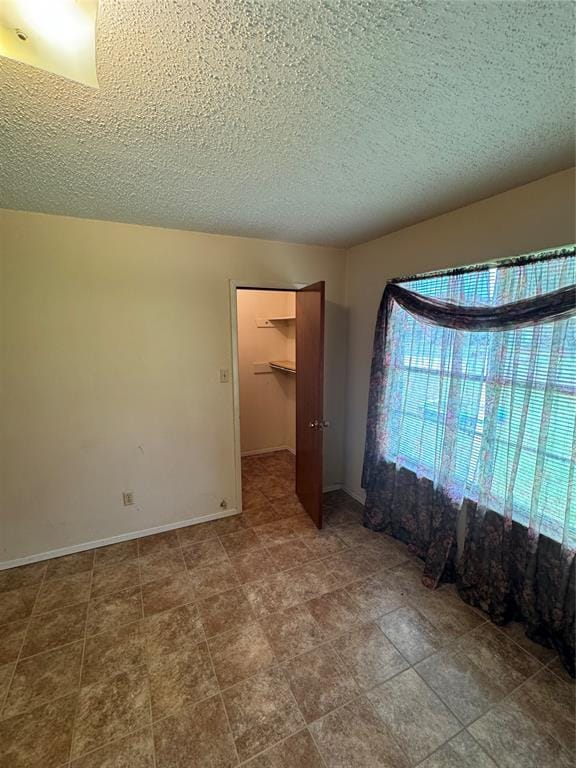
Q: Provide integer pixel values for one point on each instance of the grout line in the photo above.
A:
(220, 695)
(77, 707)
(146, 664)
(12, 676)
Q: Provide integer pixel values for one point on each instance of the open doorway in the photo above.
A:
(267, 383)
(278, 361)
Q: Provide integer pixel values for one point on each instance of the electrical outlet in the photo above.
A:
(128, 498)
(224, 375)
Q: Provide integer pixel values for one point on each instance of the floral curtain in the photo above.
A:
(473, 406)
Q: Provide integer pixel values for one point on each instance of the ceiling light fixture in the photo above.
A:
(55, 35)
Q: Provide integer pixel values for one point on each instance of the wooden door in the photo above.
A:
(310, 398)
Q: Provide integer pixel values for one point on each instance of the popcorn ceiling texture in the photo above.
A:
(318, 121)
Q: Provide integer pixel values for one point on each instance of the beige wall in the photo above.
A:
(267, 400)
(528, 218)
(112, 340)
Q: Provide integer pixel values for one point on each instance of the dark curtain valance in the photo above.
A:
(556, 305)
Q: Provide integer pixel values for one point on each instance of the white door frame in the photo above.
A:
(257, 285)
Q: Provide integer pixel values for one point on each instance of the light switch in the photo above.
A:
(224, 375)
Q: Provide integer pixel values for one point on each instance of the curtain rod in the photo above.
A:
(514, 261)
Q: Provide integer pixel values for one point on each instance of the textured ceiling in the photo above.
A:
(318, 121)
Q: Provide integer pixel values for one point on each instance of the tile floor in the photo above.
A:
(257, 640)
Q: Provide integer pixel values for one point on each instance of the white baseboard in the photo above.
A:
(358, 495)
(268, 450)
(333, 487)
(114, 539)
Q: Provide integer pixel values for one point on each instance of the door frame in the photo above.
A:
(255, 285)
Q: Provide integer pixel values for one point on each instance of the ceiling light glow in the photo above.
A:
(56, 35)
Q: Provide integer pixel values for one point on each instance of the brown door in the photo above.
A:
(310, 397)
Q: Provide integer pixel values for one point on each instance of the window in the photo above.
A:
(489, 415)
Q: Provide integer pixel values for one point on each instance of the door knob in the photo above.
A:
(317, 424)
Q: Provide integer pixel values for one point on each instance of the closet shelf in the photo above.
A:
(288, 366)
(284, 317)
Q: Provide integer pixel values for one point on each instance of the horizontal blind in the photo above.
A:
(441, 384)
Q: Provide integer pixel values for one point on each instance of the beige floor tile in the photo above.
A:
(212, 579)
(261, 514)
(180, 679)
(261, 711)
(42, 678)
(204, 553)
(158, 542)
(113, 610)
(335, 612)
(160, 565)
(253, 565)
(515, 740)
(413, 635)
(51, 630)
(334, 517)
(111, 709)
(558, 668)
(11, 640)
(274, 533)
(17, 603)
(23, 576)
(240, 654)
(171, 631)
(467, 688)
(192, 534)
(288, 506)
(375, 596)
(112, 652)
(460, 752)
(68, 565)
(413, 713)
(324, 543)
(309, 580)
(369, 655)
(167, 593)
(230, 524)
(252, 497)
(290, 554)
(352, 565)
(354, 737)
(552, 702)
(6, 672)
(303, 525)
(225, 611)
(114, 554)
(58, 593)
(114, 578)
(297, 751)
(134, 751)
(447, 612)
(40, 738)
(241, 541)
(292, 632)
(320, 682)
(476, 671)
(262, 595)
(276, 487)
(195, 737)
(357, 535)
(516, 632)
